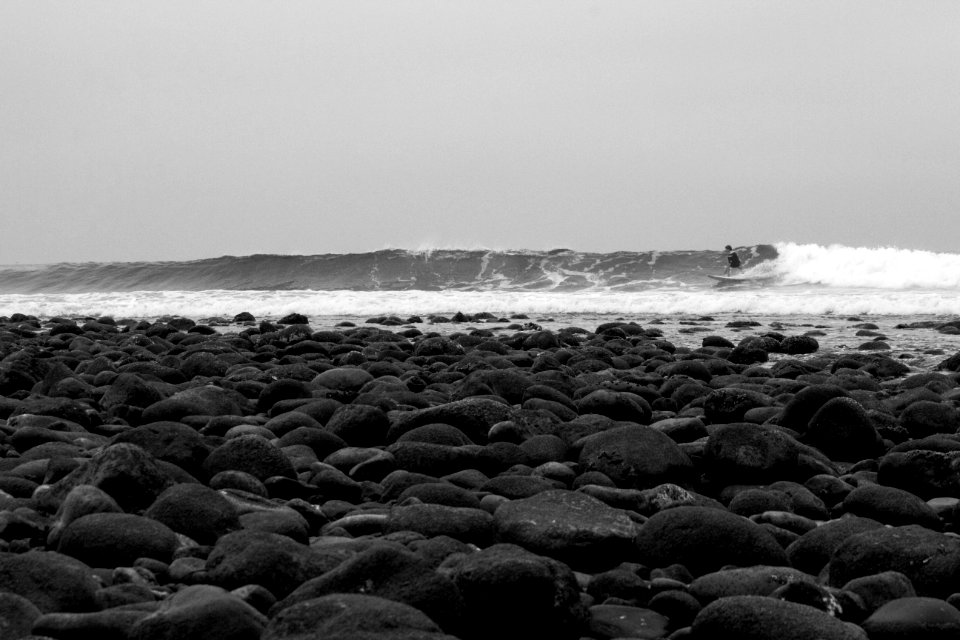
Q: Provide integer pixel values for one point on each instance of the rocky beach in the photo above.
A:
(472, 477)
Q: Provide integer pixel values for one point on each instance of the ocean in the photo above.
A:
(832, 291)
(810, 280)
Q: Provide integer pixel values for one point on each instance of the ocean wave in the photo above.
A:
(500, 271)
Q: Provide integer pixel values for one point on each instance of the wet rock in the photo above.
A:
(749, 453)
(171, 442)
(729, 404)
(469, 525)
(813, 550)
(928, 558)
(196, 511)
(17, 615)
(511, 593)
(569, 526)
(704, 539)
(127, 473)
(344, 616)
(635, 457)
(252, 454)
(622, 621)
(473, 416)
(201, 612)
(925, 473)
(49, 580)
(914, 617)
(359, 425)
(273, 561)
(880, 588)
(759, 580)
(117, 539)
(927, 417)
(205, 400)
(890, 505)
(618, 405)
(842, 429)
(388, 571)
(762, 618)
(109, 624)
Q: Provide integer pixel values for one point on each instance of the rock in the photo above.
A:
(117, 539)
(444, 434)
(82, 500)
(127, 473)
(880, 588)
(514, 594)
(704, 539)
(431, 459)
(515, 486)
(924, 473)
(928, 558)
(794, 345)
(352, 616)
(171, 442)
(322, 442)
(196, 511)
(252, 454)
(760, 580)
(283, 389)
(729, 404)
(206, 400)
(927, 417)
(284, 423)
(273, 561)
(798, 412)
(359, 425)
(763, 618)
(444, 493)
(756, 501)
(347, 381)
(388, 571)
(283, 520)
(201, 612)
(618, 405)
(113, 623)
(842, 429)
(51, 581)
(618, 621)
(473, 416)
(17, 615)
(469, 525)
(750, 454)
(813, 550)
(915, 617)
(129, 389)
(890, 505)
(569, 526)
(636, 457)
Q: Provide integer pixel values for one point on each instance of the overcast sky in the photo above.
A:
(169, 130)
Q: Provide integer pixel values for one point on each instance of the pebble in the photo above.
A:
(165, 480)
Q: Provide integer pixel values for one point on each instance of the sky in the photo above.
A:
(176, 130)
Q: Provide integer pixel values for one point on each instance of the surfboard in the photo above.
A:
(741, 279)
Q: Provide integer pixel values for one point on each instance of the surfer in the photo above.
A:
(733, 260)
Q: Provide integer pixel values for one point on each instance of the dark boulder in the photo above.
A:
(570, 526)
(513, 594)
(635, 457)
(704, 539)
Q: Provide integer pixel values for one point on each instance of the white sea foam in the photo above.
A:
(879, 267)
(795, 300)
